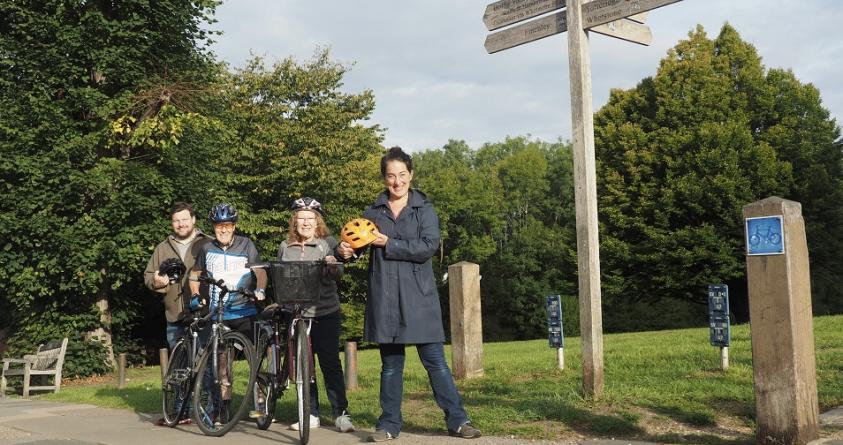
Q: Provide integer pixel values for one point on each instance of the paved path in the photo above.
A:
(35, 422)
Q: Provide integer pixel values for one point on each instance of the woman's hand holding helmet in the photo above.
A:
(380, 240)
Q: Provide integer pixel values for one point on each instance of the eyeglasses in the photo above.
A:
(224, 227)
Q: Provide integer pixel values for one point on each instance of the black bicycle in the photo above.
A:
(220, 377)
(177, 386)
(283, 348)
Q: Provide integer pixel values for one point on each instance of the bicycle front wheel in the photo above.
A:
(303, 376)
(176, 385)
(222, 392)
(265, 394)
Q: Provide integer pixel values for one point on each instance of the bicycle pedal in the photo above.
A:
(255, 414)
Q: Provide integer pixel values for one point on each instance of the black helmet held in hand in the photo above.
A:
(221, 213)
(173, 268)
(307, 203)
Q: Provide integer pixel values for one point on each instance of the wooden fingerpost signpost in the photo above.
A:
(616, 18)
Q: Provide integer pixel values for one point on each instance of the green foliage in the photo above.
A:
(81, 204)
(684, 151)
(500, 207)
(86, 358)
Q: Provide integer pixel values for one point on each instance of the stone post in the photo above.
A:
(466, 320)
(781, 323)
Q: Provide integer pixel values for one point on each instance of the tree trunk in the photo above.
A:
(103, 333)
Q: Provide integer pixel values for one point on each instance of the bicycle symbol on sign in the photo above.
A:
(769, 236)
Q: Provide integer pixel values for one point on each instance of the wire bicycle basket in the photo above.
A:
(298, 282)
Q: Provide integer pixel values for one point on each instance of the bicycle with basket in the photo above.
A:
(282, 347)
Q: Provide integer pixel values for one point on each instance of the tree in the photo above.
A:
(288, 131)
(682, 152)
(504, 207)
(81, 200)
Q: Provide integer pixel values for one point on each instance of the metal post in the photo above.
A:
(350, 365)
(724, 358)
(164, 359)
(121, 370)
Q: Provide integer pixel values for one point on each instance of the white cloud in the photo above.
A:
(433, 80)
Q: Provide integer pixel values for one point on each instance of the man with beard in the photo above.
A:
(182, 244)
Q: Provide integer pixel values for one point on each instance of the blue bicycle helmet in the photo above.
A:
(307, 203)
(221, 213)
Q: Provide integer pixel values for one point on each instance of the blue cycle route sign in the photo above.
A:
(764, 236)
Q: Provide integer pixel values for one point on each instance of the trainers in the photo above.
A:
(343, 423)
(466, 431)
(380, 436)
(314, 423)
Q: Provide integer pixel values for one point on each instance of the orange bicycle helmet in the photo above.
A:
(359, 232)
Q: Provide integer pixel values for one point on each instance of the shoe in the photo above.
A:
(163, 422)
(314, 423)
(466, 431)
(380, 436)
(343, 423)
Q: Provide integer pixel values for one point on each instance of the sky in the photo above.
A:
(433, 80)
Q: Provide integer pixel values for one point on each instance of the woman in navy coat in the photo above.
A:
(403, 304)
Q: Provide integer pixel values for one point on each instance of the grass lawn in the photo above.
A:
(663, 386)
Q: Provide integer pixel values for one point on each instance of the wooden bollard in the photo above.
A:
(164, 359)
(121, 370)
(466, 320)
(781, 323)
(350, 365)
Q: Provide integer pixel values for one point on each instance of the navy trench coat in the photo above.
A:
(403, 303)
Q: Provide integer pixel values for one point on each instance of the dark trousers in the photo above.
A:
(325, 340)
(243, 325)
(445, 392)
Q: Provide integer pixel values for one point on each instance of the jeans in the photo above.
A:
(324, 339)
(174, 332)
(445, 392)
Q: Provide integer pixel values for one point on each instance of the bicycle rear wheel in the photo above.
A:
(222, 392)
(265, 394)
(303, 375)
(176, 385)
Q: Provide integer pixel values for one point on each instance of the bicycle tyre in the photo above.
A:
(176, 385)
(303, 359)
(216, 411)
(264, 385)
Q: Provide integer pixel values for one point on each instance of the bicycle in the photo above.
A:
(296, 287)
(177, 386)
(222, 395)
(770, 237)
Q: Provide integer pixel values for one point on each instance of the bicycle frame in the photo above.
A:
(287, 365)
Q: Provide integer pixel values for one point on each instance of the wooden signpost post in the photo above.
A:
(616, 18)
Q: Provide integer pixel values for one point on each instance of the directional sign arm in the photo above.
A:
(626, 30)
(598, 12)
(506, 12)
(526, 32)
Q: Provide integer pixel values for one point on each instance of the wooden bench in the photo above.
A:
(47, 361)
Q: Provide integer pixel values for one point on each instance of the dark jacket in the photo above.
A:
(403, 303)
(176, 295)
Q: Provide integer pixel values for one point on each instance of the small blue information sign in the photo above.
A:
(764, 236)
(555, 336)
(718, 315)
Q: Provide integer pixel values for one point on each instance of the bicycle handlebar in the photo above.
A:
(270, 264)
